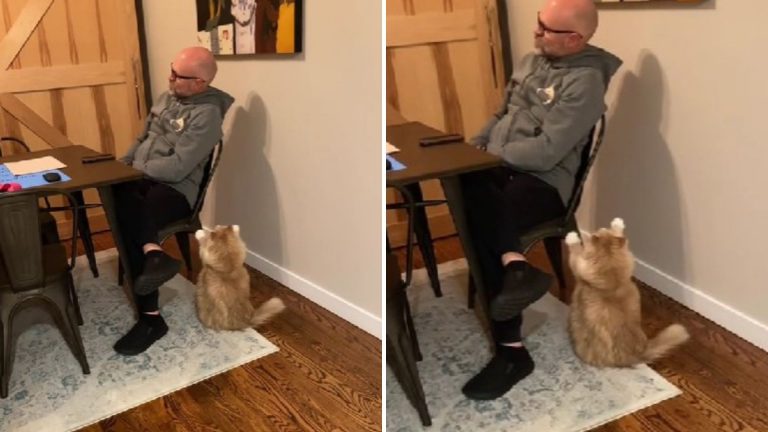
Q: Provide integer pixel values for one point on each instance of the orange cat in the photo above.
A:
(604, 321)
(224, 286)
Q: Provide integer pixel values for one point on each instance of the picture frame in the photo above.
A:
(250, 27)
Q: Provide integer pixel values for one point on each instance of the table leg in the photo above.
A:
(424, 238)
(108, 201)
(453, 194)
(85, 232)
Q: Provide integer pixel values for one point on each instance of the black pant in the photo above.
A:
(501, 204)
(143, 208)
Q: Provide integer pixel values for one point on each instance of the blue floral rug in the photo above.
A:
(48, 391)
(562, 394)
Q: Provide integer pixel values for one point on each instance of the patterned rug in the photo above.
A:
(48, 390)
(562, 394)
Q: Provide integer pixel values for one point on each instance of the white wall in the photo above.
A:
(301, 171)
(685, 154)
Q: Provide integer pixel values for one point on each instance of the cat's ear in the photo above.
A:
(236, 229)
(200, 234)
(617, 225)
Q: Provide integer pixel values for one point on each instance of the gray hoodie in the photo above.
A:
(550, 106)
(178, 137)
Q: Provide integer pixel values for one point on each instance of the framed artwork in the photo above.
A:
(238, 27)
(644, 1)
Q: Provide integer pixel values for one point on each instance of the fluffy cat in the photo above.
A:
(605, 316)
(224, 286)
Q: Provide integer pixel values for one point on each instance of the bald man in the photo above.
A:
(553, 100)
(181, 131)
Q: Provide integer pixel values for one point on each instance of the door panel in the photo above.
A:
(444, 69)
(70, 72)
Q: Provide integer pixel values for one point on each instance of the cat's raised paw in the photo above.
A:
(572, 238)
(617, 224)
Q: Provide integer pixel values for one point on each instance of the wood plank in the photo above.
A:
(21, 30)
(31, 79)
(33, 121)
(417, 85)
(471, 93)
(430, 28)
(393, 104)
(449, 98)
(126, 16)
(489, 52)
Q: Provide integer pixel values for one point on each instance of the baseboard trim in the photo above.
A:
(344, 309)
(731, 319)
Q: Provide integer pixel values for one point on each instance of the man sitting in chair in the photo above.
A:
(181, 131)
(554, 99)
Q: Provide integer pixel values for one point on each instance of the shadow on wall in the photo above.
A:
(664, 5)
(636, 177)
(245, 187)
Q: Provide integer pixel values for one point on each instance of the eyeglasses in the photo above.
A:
(544, 29)
(175, 76)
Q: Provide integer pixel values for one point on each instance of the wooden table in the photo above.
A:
(100, 175)
(444, 162)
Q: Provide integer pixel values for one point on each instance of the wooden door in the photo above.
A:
(71, 72)
(445, 69)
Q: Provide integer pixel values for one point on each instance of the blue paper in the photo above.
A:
(396, 165)
(29, 180)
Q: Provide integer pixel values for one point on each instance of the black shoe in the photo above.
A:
(159, 268)
(143, 334)
(499, 376)
(520, 288)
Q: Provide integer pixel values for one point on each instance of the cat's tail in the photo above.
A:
(664, 342)
(266, 311)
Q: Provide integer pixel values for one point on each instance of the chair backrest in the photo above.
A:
(14, 140)
(410, 206)
(21, 249)
(210, 169)
(588, 155)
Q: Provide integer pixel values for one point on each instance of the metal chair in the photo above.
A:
(183, 228)
(422, 232)
(402, 344)
(35, 274)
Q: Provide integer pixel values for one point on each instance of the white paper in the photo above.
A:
(30, 166)
(392, 149)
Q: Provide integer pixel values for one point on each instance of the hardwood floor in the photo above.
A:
(724, 379)
(326, 377)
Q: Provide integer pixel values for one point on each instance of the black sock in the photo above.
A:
(154, 253)
(516, 266)
(151, 319)
(514, 354)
